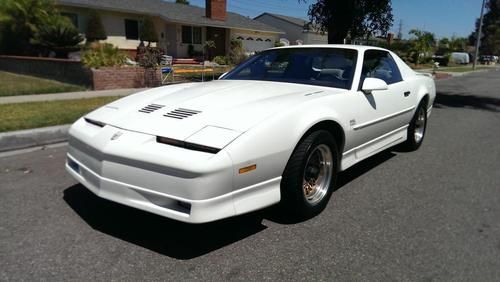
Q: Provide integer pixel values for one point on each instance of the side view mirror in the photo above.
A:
(371, 84)
(222, 75)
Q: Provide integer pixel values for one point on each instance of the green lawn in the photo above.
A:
(15, 84)
(39, 114)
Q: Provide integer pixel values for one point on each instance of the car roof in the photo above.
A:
(343, 46)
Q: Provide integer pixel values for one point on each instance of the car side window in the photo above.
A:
(380, 64)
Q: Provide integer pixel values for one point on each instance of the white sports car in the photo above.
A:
(276, 129)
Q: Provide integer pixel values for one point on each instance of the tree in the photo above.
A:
(356, 18)
(490, 39)
(57, 34)
(457, 44)
(148, 32)
(184, 2)
(19, 20)
(95, 29)
(422, 43)
(453, 44)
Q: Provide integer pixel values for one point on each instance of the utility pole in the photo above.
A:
(400, 30)
(478, 37)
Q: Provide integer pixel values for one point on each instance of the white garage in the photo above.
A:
(252, 42)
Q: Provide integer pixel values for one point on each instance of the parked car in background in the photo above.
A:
(488, 59)
(276, 129)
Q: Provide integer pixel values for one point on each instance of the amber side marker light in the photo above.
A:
(247, 169)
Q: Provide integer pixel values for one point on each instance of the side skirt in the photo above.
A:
(374, 146)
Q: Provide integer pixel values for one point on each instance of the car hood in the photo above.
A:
(178, 111)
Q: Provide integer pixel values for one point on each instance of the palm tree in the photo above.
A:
(20, 19)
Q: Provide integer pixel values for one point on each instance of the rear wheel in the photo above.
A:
(417, 128)
(310, 175)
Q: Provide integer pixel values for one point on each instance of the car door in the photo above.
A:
(381, 112)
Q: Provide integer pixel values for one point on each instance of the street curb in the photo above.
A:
(22, 139)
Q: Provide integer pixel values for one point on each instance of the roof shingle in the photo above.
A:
(172, 12)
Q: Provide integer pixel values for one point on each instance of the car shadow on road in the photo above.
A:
(181, 240)
(454, 100)
(162, 235)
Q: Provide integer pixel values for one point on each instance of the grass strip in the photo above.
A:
(40, 114)
(16, 84)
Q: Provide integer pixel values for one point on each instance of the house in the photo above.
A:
(178, 26)
(297, 31)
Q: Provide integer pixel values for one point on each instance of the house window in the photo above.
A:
(268, 40)
(240, 38)
(197, 35)
(132, 29)
(258, 39)
(249, 38)
(72, 17)
(191, 34)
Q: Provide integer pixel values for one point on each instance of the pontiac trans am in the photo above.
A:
(278, 128)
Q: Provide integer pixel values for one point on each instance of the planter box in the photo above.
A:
(125, 77)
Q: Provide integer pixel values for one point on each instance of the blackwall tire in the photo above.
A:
(310, 175)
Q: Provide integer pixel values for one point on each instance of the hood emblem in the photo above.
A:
(116, 135)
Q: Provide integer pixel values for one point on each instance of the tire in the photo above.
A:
(315, 159)
(416, 129)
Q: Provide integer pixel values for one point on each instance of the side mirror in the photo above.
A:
(222, 75)
(371, 84)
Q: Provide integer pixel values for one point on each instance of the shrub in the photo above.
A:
(95, 29)
(190, 50)
(221, 60)
(236, 52)
(103, 55)
(56, 33)
(278, 44)
(149, 57)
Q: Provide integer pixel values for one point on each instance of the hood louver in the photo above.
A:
(151, 108)
(181, 113)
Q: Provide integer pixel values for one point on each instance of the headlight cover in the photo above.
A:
(210, 139)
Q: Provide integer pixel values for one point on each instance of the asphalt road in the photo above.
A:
(433, 214)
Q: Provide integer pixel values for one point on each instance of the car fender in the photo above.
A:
(270, 144)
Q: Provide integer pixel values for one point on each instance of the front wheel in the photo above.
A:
(416, 129)
(310, 175)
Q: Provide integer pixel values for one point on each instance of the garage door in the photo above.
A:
(255, 43)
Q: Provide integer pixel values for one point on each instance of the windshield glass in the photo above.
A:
(333, 67)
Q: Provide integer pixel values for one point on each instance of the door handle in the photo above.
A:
(407, 93)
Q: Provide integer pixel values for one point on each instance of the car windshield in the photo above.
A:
(333, 67)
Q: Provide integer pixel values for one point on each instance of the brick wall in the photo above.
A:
(125, 77)
(74, 72)
(58, 69)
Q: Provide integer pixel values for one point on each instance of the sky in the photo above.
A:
(444, 18)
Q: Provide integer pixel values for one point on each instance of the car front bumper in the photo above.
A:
(134, 170)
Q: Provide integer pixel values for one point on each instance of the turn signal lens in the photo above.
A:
(247, 169)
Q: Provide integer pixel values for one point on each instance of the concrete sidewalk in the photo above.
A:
(68, 95)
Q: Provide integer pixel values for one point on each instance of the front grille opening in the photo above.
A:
(73, 165)
(151, 108)
(184, 206)
(181, 113)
